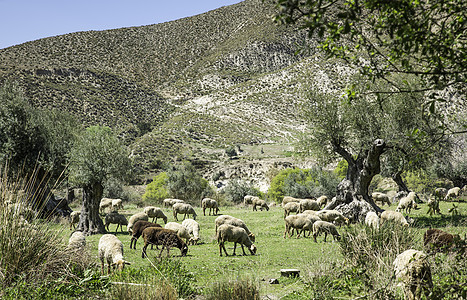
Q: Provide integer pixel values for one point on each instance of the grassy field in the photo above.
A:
(274, 252)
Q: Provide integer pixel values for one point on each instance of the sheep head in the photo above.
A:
(184, 250)
(253, 249)
(120, 264)
(252, 237)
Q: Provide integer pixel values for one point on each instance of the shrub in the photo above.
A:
(156, 191)
(237, 189)
(242, 289)
(341, 169)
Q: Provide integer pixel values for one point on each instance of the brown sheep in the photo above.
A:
(435, 239)
(138, 228)
(165, 237)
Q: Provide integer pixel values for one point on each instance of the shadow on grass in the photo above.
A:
(440, 221)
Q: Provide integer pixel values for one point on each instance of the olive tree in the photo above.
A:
(96, 156)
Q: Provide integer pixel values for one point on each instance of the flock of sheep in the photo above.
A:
(309, 217)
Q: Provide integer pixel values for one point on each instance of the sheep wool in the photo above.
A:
(135, 218)
(226, 219)
(326, 228)
(413, 273)
(111, 250)
(237, 235)
(193, 229)
(155, 213)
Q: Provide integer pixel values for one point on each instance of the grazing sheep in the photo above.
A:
(183, 208)
(115, 218)
(165, 237)
(193, 229)
(393, 216)
(332, 216)
(111, 249)
(260, 203)
(438, 240)
(433, 206)
(407, 203)
(155, 213)
(372, 220)
(141, 216)
(104, 204)
(381, 197)
(291, 207)
(117, 204)
(248, 199)
(322, 201)
(77, 241)
(308, 204)
(288, 199)
(440, 193)
(452, 194)
(138, 228)
(226, 219)
(325, 227)
(169, 202)
(413, 272)
(74, 219)
(211, 204)
(181, 230)
(230, 233)
(300, 222)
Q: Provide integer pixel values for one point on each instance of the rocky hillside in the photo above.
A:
(187, 89)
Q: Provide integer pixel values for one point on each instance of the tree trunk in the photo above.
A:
(352, 197)
(400, 182)
(89, 221)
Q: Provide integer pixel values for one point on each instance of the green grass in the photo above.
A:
(274, 252)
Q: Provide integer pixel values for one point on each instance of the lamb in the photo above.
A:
(326, 227)
(104, 204)
(230, 233)
(135, 218)
(381, 197)
(183, 208)
(288, 199)
(181, 230)
(211, 204)
(138, 228)
(165, 237)
(433, 206)
(322, 201)
(226, 219)
(77, 241)
(452, 193)
(155, 213)
(438, 239)
(332, 216)
(111, 249)
(115, 218)
(407, 203)
(74, 219)
(117, 204)
(300, 222)
(291, 207)
(413, 271)
(440, 193)
(308, 204)
(193, 229)
(372, 220)
(393, 216)
(260, 203)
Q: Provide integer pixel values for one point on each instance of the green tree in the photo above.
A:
(156, 191)
(96, 156)
(184, 182)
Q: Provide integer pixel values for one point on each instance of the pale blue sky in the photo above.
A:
(27, 20)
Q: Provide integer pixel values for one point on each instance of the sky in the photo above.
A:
(27, 20)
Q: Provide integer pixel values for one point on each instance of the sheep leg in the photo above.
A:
(243, 249)
(235, 247)
(204, 211)
(325, 235)
(314, 237)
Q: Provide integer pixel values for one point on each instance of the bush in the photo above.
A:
(242, 289)
(237, 189)
(156, 191)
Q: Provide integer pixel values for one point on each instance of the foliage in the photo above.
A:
(237, 189)
(242, 289)
(419, 181)
(156, 191)
(231, 151)
(341, 169)
(184, 182)
(303, 183)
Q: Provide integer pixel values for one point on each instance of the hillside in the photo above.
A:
(186, 89)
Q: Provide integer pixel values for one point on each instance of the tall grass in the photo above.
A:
(240, 288)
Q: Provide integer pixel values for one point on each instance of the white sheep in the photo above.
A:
(322, 201)
(452, 194)
(135, 218)
(260, 203)
(181, 230)
(308, 204)
(413, 273)
(288, 199)
(211, 204)
(155, 213)
(74, 219)
(393, 216)
(291, 207)
(115, 218)
(170, 201)
(104, 204)
(325, 227)
(333, 216)
(300, 222)
(193, 229)
(407, 203)
(226, 219)
(111, 249)
(381, 197)
(372, 220)
(230, 233)
(117, 204)
(248, 199)
(183, 208)
(77, 241)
